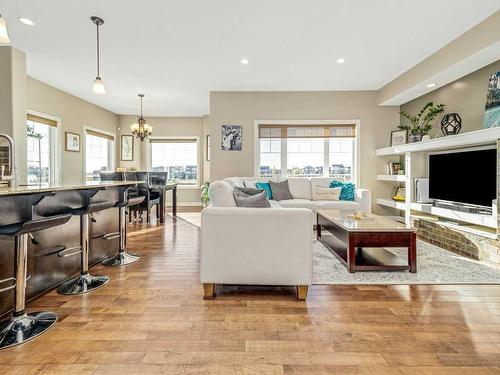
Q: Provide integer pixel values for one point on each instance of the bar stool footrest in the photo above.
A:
(120, 259)
(25, 327)
(82, 284)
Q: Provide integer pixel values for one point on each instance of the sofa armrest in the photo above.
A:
(364, 198)
(256, 246)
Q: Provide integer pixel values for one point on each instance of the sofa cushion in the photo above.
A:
(300, 188)
(280, 190)
(221, 194)
(321, 193)
(246, 200)
(338, 205)
(249, 190)
(235, 181)
(299, 203)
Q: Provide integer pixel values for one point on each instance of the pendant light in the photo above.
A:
(98, 87)
(141, 130)
(4, 35)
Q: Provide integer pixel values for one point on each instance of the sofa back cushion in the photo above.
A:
(235, 181)
(221, 194)
(300, 187)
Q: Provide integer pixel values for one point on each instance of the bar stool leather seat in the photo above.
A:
(22, 326)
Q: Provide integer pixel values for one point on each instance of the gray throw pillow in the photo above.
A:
(245, 200)
(249, 191)
(280, 190)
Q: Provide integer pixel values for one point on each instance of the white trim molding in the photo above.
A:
(84, 143)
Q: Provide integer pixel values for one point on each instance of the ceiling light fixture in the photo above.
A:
(141, 130)
(26, 21)
(341, 60)
(430, 85)
(98, 87)
(244, 61)
(4, 35)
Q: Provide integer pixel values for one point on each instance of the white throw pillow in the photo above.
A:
(221, 194)
(322, 193)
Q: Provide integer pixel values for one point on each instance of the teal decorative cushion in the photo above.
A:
(348, 188)
(266, 187)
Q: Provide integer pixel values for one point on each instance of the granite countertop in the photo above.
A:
(32, 189)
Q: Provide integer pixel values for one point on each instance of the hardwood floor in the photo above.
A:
(151, 318)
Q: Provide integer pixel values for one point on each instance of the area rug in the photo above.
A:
(434, 266)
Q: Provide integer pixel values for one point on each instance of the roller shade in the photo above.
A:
(159, 140)
(307, 131)
(41, 120)
(99, 134)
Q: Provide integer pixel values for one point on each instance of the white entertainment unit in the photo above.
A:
(414, 157)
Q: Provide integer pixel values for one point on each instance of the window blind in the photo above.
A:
(99, 134)
(41, 120)
(307, 131)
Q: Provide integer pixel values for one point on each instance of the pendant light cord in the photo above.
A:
(98, 57)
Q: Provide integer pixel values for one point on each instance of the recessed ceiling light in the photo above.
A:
(429, 85)
(26, 21)
(244, 61)
(341, 60)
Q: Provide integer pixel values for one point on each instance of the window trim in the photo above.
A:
(357, 143)
(55, 157)
(199, 176)
(84, 148)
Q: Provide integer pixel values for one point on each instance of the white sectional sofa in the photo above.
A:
(263, 246)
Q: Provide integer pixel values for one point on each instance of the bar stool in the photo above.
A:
(22, 326)
(123, 258)
(85, 282)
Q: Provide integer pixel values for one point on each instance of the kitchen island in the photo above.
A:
(48, 266)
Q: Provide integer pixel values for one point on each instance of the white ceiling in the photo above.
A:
(176, 52)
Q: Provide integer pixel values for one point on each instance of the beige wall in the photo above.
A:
(168, 127)
(74, 114)
(243, 108)
(466, 96)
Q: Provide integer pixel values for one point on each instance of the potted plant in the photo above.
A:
(420, 124)
(204, 194)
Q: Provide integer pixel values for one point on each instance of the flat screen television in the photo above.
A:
(468, 177)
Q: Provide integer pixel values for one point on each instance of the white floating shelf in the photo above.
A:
(467, 139)
(391, 177)
(391, 203)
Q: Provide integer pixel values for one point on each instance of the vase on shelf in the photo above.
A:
(415, 138)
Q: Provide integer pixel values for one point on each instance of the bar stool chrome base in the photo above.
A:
(120, 259)
(83, 284)
(22, 328)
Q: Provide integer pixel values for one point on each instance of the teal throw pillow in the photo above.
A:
(348, 188)
(265, 186)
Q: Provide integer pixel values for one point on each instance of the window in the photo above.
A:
(315, 150)
(178, 157)
(41, 133)
(99, 151)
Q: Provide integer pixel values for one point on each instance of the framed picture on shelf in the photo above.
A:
(127, 148)
(399, 137)
(395, 168)
(400, 195)
(72, 142)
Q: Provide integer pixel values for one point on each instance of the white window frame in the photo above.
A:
(357, 144)
(180, 185)
(83, 145)
(55, 145)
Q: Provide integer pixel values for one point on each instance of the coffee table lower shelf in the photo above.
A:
(366, 259)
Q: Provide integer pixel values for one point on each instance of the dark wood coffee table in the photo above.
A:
(359, 243)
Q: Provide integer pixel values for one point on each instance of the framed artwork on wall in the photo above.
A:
(399, 137)
(231, 138)
(127, 148)
(72, 142)
(491, 117)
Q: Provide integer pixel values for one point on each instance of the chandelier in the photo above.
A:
(141, 130)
